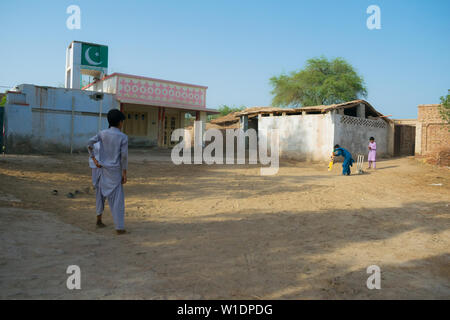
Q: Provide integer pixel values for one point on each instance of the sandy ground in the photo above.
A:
(205, 232)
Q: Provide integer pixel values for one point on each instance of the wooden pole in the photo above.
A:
(72, 125)
(100, 116)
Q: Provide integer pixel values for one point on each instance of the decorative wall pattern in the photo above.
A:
(362, 122)
(160, 92)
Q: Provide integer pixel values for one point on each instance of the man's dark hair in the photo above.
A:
(114, 117)
(372, 138)
(336, 146)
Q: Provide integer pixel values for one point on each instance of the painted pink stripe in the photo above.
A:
(148, 101)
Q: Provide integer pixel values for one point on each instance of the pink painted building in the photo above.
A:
(154, 108)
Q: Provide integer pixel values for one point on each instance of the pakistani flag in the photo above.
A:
(93, 55)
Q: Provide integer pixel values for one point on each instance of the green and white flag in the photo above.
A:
(94, 55)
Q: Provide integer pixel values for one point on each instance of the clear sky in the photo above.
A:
(234, 47)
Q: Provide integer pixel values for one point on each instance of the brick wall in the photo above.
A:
(432, 134)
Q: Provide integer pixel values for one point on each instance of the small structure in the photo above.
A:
(309, 133)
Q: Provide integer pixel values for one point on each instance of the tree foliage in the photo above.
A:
(3, 100)
(322, 81)
(224, 110)
(445, 108)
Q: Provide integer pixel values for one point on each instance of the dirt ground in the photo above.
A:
(225, 232)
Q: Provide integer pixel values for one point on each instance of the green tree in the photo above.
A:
(3, 101)
(322, 81)
(224, 110)
(445, 107)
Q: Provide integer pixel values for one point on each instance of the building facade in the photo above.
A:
(154, 108)
(432, 133)
(310, 133)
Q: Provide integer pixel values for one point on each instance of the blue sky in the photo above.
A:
(234, 47)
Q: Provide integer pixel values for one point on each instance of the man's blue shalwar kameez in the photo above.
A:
(348, 160)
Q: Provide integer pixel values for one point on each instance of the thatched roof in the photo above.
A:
(210, 125)
(258, 110)
(344, 105)
(253, 111)
(229, 118)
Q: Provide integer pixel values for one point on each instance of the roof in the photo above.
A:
(210, 125)
(258, 110)
(344, 105)
(231, 117)
(253, 111)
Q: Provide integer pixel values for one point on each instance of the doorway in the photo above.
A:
(404, 140)
(170, 124)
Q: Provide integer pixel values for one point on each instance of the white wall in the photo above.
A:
(302, 137)
(39, 119)
(353, 134)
